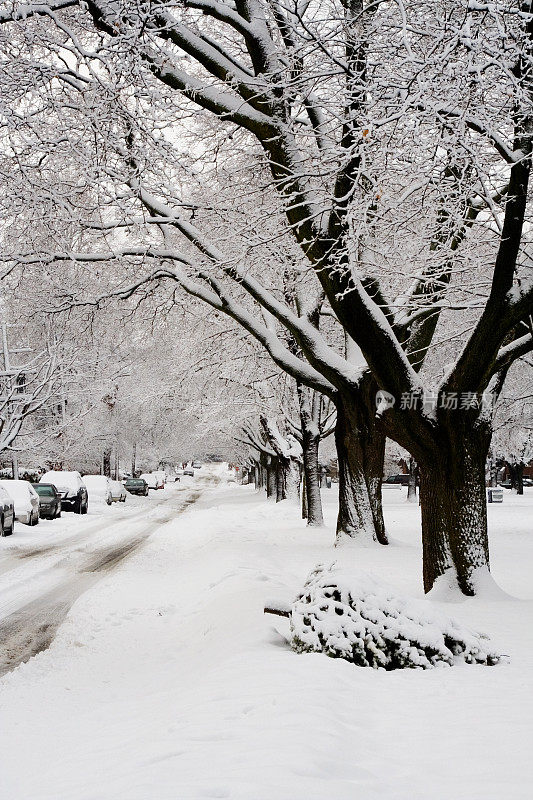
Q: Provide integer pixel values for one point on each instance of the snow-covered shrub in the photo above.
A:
(352, 615)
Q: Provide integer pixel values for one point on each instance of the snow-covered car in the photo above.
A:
(151, 480)
(71, 487)
(7, 513)
(161, 476)
(25, 500)
(49, 500)
(172, 477)
(189, 471)
(99, 488)
(118, 492)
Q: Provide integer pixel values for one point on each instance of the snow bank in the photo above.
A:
(350, 614)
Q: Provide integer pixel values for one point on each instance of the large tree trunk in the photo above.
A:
(454, 506)
(257, 476)
(493, 472)
(263, 467)
(271, 477)
(288, 479)
(516, 475)
(360, 451)
(106, 461)
(287, 460)
(309, 406)
(280, 481)
(311, 483)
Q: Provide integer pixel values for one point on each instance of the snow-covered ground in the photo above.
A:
(166, 681)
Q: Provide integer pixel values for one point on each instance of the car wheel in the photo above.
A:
(9, 531)
(2, 531)
(85, 508)
(35, 518)
(77, 507)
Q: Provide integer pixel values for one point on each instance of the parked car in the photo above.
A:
(25, 499)
(99, 488)
(136, 486)
(49, 500)
(7, 513)
(196, 465)
(402, 480)
(161, 476)
(72, 489)
(151, 480)
(188, 471)
(172, 478)
(118, 492)
(507, 484)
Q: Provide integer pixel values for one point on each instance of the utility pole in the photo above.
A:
(9, 374)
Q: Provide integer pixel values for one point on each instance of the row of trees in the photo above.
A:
(347, 181)
(98, 389)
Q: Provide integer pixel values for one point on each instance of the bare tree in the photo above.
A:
(339, 97)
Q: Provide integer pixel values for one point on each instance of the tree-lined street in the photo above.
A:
(270, 262)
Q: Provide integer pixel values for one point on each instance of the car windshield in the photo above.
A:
(43, 491)
(136, 481)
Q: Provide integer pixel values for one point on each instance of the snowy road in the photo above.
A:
(45, 569)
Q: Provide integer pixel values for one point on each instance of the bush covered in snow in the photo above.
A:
(352, 615)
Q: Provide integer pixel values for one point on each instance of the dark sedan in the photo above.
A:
(402, 480)
(136, 486)
(49, 500)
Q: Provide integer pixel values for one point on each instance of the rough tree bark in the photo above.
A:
(311, 482)
(271, 477)
(257, 476)
(493, 472)
(106, 461)
(287, 461)
(516, 475)
(309, 406)
(453, 501)
(361, 451)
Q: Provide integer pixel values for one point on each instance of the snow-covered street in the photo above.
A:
(45, 569)
(165, 679)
